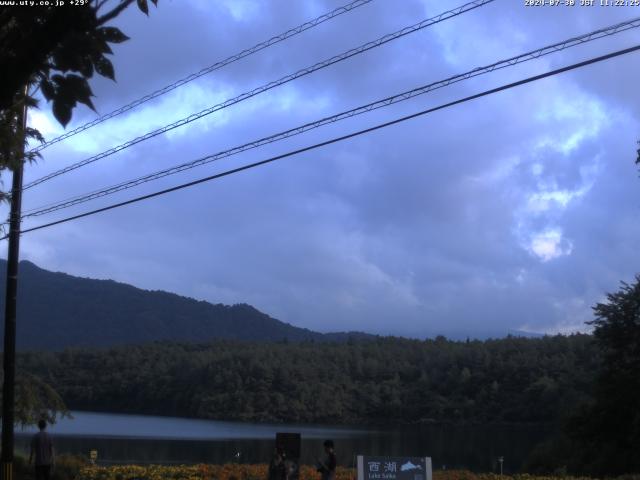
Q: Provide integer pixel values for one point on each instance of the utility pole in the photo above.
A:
(9, 365)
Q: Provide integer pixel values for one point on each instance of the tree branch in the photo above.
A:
(100, 4)
(115, 12)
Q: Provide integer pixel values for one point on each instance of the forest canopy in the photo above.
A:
(512, 380)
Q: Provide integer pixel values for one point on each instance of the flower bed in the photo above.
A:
(259, 472)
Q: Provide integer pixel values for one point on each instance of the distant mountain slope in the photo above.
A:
(56, 310)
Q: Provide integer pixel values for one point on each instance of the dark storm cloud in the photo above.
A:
(516, 211)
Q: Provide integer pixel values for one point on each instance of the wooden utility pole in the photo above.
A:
(9, 365)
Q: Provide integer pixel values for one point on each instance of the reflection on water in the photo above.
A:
(146, 426)
(145, 439)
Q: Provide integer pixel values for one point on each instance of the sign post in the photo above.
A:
(394, 468)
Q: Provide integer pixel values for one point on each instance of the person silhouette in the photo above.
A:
(277, 467)
(42, 450)
(327, 466)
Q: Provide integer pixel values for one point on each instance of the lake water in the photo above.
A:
(147, 439)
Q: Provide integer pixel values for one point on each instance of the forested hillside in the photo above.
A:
(57, 310)
(381, 381)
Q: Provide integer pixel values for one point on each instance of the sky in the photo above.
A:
(517, 211)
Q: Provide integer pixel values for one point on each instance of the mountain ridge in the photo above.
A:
(57, 310)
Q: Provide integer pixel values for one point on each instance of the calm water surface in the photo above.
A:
(147, 439)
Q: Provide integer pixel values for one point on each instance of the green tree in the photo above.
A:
(59, 49)
(56, 50)
(608, 432)
(12, 141)
(35, 400)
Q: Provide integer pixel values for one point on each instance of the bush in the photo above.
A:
(68, 467)
(21, 468)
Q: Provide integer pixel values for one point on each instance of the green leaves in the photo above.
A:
(61, 51)
(48, 90)
(100, 45)
(33, 133)
(83, 51)
(112, 35)
(35, 399)
(12, 142)
(142, 5)
(609, 428)
(66, 91)
(105, 68)
(62, 112)
(79, 89)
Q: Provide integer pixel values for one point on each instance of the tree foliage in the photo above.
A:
(35, 400)
(13, 140)
(607, 434)
(56, 50)
(59, 49)
(386, 380)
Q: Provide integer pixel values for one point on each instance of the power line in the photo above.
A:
(276, 83)
(216, 66)
(534, 54)
(338, 139)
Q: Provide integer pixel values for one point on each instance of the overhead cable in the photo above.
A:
(276, 83)
(531, 55)
(337, 139)
(216, 66)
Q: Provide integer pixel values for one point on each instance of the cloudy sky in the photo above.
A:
(517, 211)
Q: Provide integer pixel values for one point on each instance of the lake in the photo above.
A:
(149, 439)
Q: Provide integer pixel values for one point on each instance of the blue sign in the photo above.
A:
(394, 468)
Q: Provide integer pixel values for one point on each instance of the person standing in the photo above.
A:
(277, 466)
(327, 466)
(42, 450)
